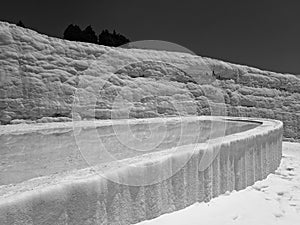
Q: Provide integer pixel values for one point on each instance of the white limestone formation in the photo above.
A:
(109, 192)
(60, 166)
(45, 79)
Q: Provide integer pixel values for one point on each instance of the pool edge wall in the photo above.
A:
(241, 160)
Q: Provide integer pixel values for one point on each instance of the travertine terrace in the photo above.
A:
(87, 136)
(41, 78)
(136, 187)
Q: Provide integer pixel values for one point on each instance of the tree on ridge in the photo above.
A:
(74, 33)
(20, 24)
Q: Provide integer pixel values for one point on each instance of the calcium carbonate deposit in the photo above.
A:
(96, 135)
(43, 77)
(274, 201)
(134, 189)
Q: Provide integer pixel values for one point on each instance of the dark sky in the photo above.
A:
(264, 34)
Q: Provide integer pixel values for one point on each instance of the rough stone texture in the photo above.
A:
(47, 79)
(83, 197)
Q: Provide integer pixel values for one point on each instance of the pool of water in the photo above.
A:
(29, 151)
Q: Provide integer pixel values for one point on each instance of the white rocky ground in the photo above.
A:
(273, 201)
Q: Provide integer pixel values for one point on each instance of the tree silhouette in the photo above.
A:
(105, 38)
(73, 33)
(112, 39)
(89, 35)
(20, 24)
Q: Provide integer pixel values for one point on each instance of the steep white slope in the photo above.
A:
(47, 79)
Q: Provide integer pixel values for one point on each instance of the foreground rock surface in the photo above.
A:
(274, 201)
(45, 79)
(146, 186)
